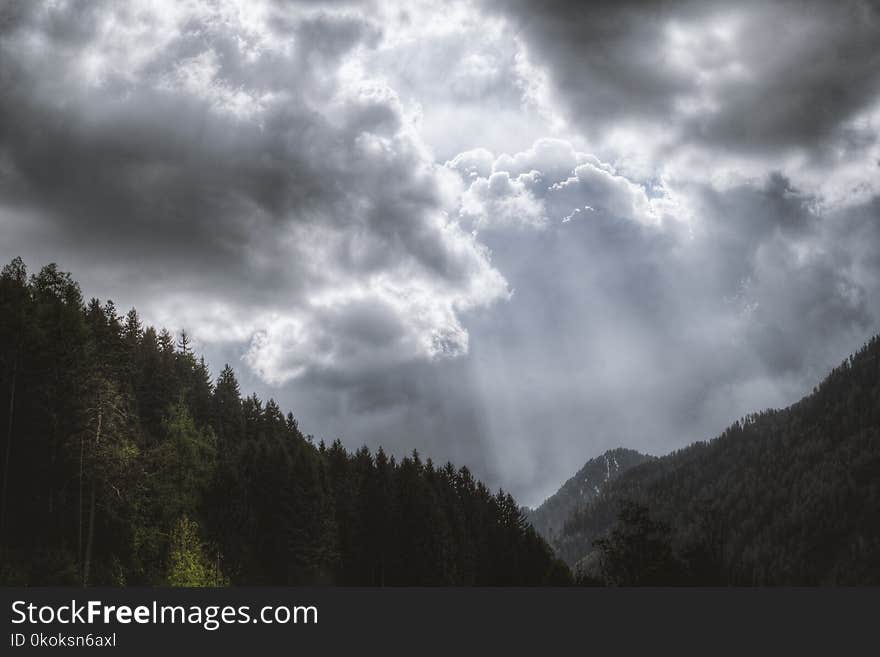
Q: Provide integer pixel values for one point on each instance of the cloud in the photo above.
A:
(551, 181)
(755, 77)
(501, 201)
(603, 190)
(245, 170)
(464, 73)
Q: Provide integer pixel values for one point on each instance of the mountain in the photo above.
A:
(125, 464)
(576, 493)
(782, 497)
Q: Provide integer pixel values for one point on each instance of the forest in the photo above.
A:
(126, 463)
(781, 497)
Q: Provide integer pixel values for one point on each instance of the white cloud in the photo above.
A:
(499, 201)
(553, 182)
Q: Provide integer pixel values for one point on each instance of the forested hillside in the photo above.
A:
(576, 493)
(125, 463)
(781, 497)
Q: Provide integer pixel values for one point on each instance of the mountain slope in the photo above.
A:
(576, 493)
(781, 497)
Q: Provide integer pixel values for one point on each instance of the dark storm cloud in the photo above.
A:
(134, 163)
(234, 162)
(749, 75)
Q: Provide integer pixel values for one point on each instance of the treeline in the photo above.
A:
(125, 464)
(782, 497)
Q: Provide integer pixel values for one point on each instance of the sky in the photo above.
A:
(507, 234)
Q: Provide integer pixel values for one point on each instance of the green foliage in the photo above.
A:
(188, 565)
(183, 463)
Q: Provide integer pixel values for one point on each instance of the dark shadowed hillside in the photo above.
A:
(582, 489)
(781, 497)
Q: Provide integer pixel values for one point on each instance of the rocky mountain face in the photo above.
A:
(576, 493)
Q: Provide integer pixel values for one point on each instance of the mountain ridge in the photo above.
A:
(581, 488)
(784, 496)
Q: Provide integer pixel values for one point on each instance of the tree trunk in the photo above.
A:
(5, 492)
(89, 539)
(79, 524)
(91, 534)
